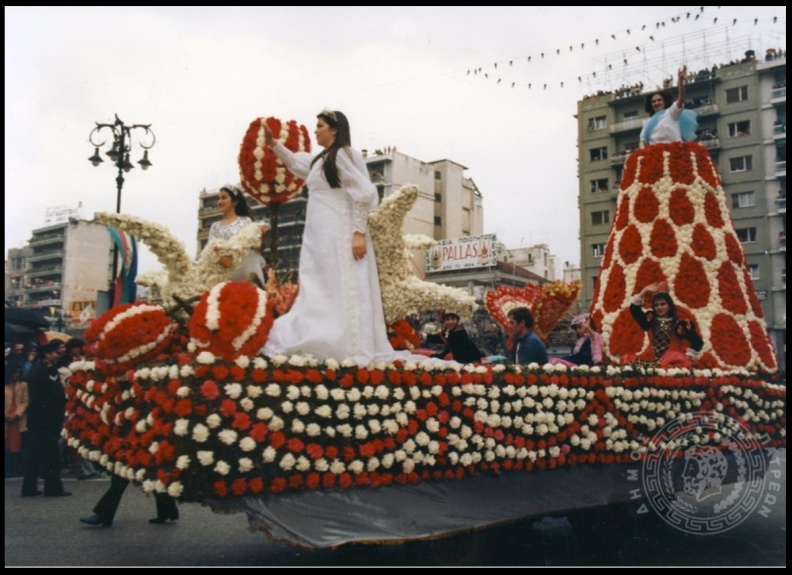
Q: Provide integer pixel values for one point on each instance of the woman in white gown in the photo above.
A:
(338, 311)
(236, 215)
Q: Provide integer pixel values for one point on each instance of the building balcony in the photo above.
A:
(780, 169)
(44, 288)
(41, 272)
(778, 93)
(705, 110)
(46, 239)
(55, 254)
(627, 125)
(710, 143)
(779, 129)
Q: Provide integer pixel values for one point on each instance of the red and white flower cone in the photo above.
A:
(672, 225)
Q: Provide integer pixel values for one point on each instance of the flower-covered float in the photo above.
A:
(321, 453)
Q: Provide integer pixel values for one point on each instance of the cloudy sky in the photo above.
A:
(492, 88)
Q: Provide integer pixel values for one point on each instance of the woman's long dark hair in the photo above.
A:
(241, 207)
(337, 120)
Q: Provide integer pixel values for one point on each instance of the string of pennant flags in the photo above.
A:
(638, 59)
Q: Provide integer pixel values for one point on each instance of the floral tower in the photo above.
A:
(672, 224)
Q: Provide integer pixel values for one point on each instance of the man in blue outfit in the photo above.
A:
(527, 347)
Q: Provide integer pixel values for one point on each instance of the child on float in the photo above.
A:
(674, 342)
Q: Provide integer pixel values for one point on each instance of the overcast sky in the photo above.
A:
(422, 79)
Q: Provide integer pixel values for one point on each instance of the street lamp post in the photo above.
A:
(119, 154)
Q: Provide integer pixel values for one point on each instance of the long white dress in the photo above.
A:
(338, 311)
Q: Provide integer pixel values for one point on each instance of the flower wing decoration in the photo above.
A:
(403, 293)
(502, 300)
(263, 174)
(673, 225)
(551, 305)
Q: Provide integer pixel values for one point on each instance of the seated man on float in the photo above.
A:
(456, 342)
(527, 347)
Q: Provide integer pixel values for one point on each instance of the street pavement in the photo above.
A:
(43, 531)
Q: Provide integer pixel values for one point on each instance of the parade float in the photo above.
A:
(319, 453)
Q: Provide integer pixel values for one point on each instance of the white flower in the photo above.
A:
(175, 489)
(200, 433)
(273, 390)
(227, 436)
(183, 462)
(337, 467)
(286, 407)
(206, 358)
(233, 390)
(205, 458)
(269, 454)
(247, 444)
(313, 430)
(276, 423)
(338, 394)
(181, 427)
(222, 468)
(303, 464)
(321, 464)
(245, 464)
(183, 391)
(246, 403)
(253, 391)
(287, 462)
(373, 464)
(361, 432)
(298, 426)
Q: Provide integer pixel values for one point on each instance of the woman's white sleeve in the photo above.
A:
(298, 163)
(356, 182)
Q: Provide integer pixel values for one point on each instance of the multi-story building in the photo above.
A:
(741, 112)
(449, 205)
(536, 259)
(61, 270)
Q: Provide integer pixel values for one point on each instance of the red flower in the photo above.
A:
(295, 481)
(259, 432)
(183, 408)
(312, 481)
(241, 421)
(314, 450)
(277, 439)
(209, 390)
(278, 485)
(221, 488)
(228, 407)
(220, 372)
(331, 452)
(256, 485)
(259, 375)
(295, 445)
(239, 487)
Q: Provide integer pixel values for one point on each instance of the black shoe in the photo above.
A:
(161, 520)
(61, 494)
(96, 520)
(32, 494)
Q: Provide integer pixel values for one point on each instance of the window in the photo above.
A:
(599, 185)
(438, 198)
(630, 114)
(753, 270)
(597, 123)
(741, 164)
(600, 218)
(597, 250)
(597, 154)
(743, 200)
(438, 175)
(734, 95)
(737, 129)
(594, 281)
(746, 235)
(438, 221)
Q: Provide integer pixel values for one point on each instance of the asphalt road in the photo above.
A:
(46, 532)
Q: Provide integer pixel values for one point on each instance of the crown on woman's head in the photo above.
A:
(329, 113)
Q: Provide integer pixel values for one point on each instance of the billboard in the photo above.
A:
(462, 253)
(60, 214)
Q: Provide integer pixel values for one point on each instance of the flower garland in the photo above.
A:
(672, 225)
(402, 335)
(209, 428)
(263, 174)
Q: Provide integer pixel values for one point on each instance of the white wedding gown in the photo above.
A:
(338, 311)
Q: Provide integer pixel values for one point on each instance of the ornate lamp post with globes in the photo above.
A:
(119, 154)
